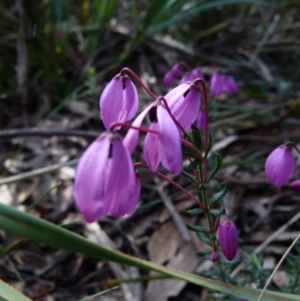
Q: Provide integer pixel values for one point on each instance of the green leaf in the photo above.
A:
(204, 252)
(196, 228)
(8, 293)
(195, 10)
(192, 165)
(193, 212)
(203, 237)
(197, 137)
(220, 194)
(31, 227)
(217, 212)
(217, 166)
(210, 144)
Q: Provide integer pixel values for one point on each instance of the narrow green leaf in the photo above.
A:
(217, 166)
(28, 226)
(195, 10)
(8, 293)
(192, 165)
(204, 252)
(197, 137)
(210, 144)
(220, 194)
(189, 176)
(204, 238)
(193, 212)
(196, 228)
(217, 212)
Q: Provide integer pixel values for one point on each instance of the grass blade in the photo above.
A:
(34, 228)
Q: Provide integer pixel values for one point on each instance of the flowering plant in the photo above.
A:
(107, 181)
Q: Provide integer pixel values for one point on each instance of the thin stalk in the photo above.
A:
(201, 81)
(137, 165)
(129, 126)
(133, 74)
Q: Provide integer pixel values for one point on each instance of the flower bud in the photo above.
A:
(295, 185)
(214, 256)
(176, 70)
(228, 238)
(169, 78)
(279, 165)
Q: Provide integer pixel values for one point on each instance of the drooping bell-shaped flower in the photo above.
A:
(229, 85)
(105, 182)
(279, 165)
(190, 76)
(184, 103)
(163, 147)
(200, 121)
(176, 70)
(216, 84)
(119, 101)
(222, 84)
(228, 238)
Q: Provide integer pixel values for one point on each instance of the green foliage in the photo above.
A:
(23, 224)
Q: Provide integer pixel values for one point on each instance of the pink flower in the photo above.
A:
(176, 70)
(228, 238)
(279, 165)
(222, 84)
(190, 76)
(164, 147)
(200, 121)
(216, 84)
(119, 101)
(229, 85)
(169, 78)
(184, 102)
(105, 182)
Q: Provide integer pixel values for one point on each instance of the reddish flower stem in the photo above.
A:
(132, 74)
(291, 144)
(129, 126)
(137, 165)
(192, 146)
(201, 81)
(169, 111)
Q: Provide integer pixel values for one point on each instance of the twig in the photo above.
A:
(277, 266)
(12, 133)
(265, 38)
(182, 229)
(36, 172)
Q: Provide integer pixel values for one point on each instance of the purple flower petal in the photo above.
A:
(120, 181)
(229, 85)
(111, 101)
(170, 153)
(131, 98)
(228, 238)
(196, 73)
(169, 78)
(131, 139)
(151, 145)
(216, 84)
(200, 121)
(90, 178)
(279, 165)
(106, 183)
(119, 101)
(184, 103)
